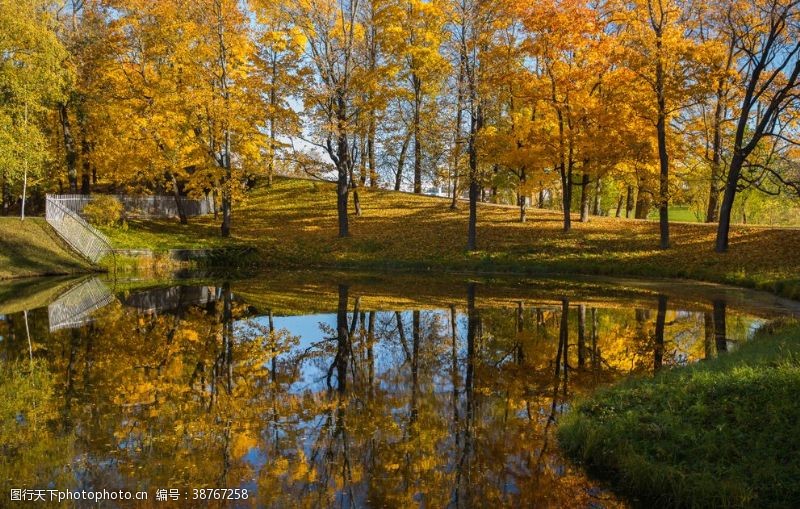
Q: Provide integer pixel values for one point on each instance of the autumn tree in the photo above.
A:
(381, 52)
(767, 42)
(83, 30)
(473, 32)
(511, 138)
(32, 79)
(669, 65)
(280, 45)
(226, 96)
(425, 67)
(333, 95)
(145, 136)
(714, 115)
(571, 51)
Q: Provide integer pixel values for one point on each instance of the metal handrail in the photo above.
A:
(55, 213)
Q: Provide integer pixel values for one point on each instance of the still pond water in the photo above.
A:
(334, 390)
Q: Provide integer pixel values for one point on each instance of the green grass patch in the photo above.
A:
(164, 234)
(720, 433)
(682, 213)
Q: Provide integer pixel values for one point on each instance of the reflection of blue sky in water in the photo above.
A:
(388, 352)
(683, 330)
(312, 331)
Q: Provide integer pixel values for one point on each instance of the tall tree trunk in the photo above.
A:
(86, 149)
(663, 158)
(643, 203)
(25, 186)
(225, 228)
(364, 160)
(495, 171)
(343, 165)
(214, 196)
(565, 168)
(712, 214)
(457, 132)
(227, 177)
(354, 188)
(716, 167)
(541, 195)
(566, 196)
(69, 148)
(342, 190)
(472, 233)
(619, 205)
(227, 187)
(724, 226)
(373, 170)
(86, 164)
(417, 135)
(585, 198)
(629, 202)
(4, 194)
(474, 183)
(401, 161)
(598, 189)
(24, 190)
(273, 102)
(522, 199)
(176, 193)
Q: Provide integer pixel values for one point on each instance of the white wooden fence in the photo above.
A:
(142, 206)
(75, 231)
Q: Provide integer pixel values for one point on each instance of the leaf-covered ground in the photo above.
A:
(293, 223)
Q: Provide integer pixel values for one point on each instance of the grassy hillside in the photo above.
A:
(31, 248)
(293, 223)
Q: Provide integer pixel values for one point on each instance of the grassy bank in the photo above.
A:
(31, 248)
(722, 433)
(293, 224)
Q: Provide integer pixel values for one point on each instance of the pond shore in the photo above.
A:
(293, 225)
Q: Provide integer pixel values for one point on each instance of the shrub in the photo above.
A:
(104, 210)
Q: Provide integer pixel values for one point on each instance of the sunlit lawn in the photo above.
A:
(293, 223)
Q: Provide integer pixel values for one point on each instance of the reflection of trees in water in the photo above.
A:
(441, 408)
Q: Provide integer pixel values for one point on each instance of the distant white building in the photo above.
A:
(436, 191)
